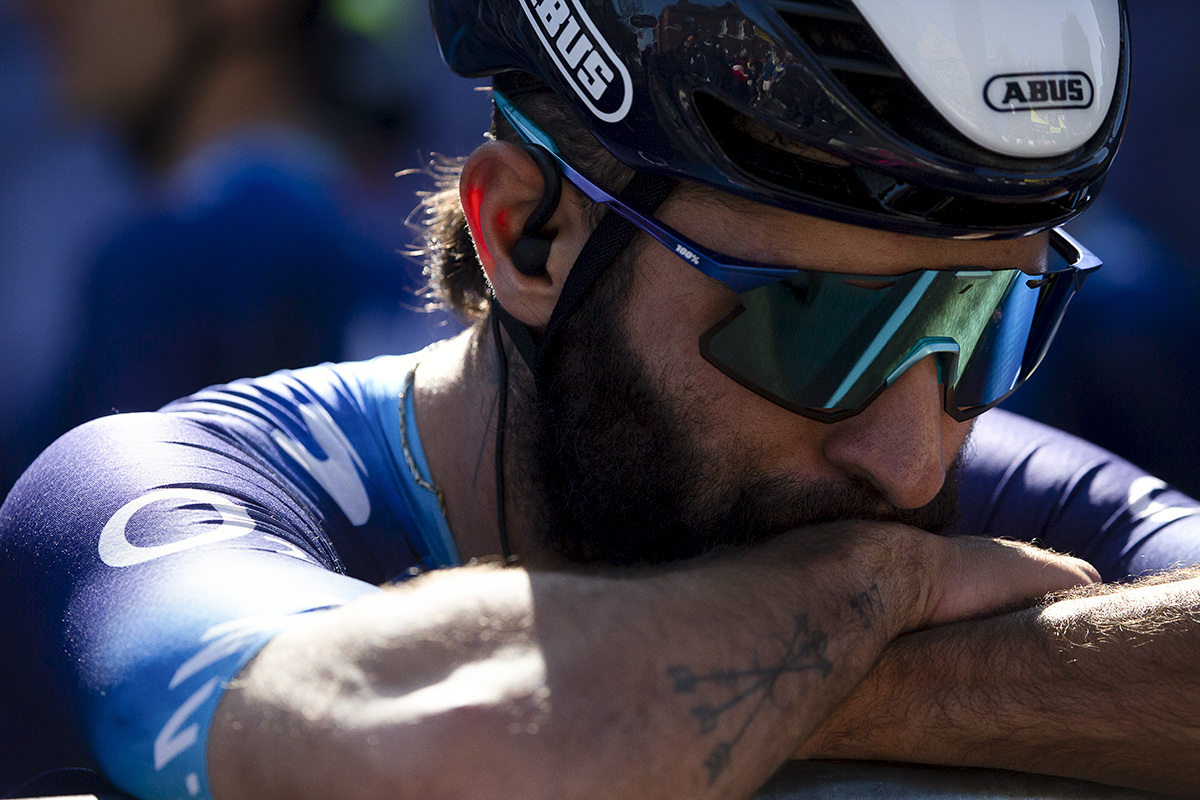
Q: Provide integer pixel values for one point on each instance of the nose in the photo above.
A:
(903, 442)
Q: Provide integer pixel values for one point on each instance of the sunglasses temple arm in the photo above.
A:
(739, 277)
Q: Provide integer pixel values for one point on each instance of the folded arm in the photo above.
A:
(697, 681)
(1100, 684)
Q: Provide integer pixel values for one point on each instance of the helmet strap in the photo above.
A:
(606, 242)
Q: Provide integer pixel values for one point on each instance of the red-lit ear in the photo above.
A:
(500, 187)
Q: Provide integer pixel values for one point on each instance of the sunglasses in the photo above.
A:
(826, 344)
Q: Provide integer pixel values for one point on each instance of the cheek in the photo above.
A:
(954, 436)
(783, 442)
(665, 321)
(670, 306)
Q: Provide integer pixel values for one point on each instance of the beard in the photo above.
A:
(618, 471)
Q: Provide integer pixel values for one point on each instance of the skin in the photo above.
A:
(902, 444)
(532, 681)
(853, 638)
(1098, 686)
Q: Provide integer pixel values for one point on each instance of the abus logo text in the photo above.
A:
(1038, 90)
(582, 55)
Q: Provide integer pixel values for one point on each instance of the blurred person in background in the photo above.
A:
(249, 255)
(62, 190)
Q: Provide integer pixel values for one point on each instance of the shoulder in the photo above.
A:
(1023, 479)
(148, 556)
(312, 451)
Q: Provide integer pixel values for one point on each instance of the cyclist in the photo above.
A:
(694, 494)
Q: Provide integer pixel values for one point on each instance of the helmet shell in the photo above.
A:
(949, 118)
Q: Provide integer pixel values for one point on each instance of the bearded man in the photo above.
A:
(709, 485)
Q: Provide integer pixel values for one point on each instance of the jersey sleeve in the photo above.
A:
(1025, 480)
(145, 558)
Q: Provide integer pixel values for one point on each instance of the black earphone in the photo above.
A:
(530, 254)
(532, 250)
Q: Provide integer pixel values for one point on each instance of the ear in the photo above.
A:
(500, 187)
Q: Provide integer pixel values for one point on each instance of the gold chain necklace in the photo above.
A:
(408, 456)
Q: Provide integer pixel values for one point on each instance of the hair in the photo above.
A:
(456, 278)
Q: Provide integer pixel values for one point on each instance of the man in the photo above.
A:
(710, 444)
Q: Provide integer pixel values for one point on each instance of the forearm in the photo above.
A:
(1103, 688)
(689, 683)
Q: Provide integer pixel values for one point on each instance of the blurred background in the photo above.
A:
(192, 192)
(196, 192)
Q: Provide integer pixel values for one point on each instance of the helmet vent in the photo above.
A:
(839, 36)
(845, 44)
(868, 190)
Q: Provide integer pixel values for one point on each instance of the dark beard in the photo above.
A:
(622, 480)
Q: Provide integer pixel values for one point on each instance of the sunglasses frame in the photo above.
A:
(1059, 286)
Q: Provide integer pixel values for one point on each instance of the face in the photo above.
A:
(648, 454)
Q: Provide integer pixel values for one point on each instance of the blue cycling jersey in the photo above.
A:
(145, 558)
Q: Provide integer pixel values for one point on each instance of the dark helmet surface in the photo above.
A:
(951, 119)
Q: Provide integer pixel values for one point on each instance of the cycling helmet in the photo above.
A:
(948, 118)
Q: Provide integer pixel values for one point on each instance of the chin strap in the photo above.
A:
(610, 237)
(646, 192)
(501, 424)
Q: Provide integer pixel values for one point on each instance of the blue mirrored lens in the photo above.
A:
(826, 344)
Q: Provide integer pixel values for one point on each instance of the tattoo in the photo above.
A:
(867, 605)
(749, 689)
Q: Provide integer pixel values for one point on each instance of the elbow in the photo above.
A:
(481, 724)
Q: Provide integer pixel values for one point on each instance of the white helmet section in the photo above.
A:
(1026, 78)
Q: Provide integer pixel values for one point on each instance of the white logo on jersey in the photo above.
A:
(117, 551)
(220, 641)
(173, 739)
(288, 549)
(1141, 506)
(340, 473)
(223, 640)
(582, 55)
